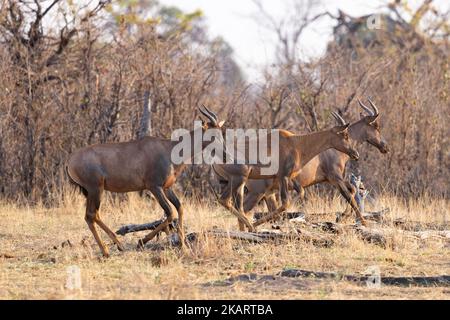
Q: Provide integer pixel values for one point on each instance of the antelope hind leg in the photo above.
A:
(92, 205)
(180, 226)
(164, 203)
(284, 203)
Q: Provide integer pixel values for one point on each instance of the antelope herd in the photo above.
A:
(146, 164)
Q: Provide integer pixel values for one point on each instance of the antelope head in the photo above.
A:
(340, 137)
(212, 120)
(369, 130)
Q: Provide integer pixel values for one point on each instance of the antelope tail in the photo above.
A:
(74, 183)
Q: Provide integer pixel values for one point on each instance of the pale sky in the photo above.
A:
(253, 45)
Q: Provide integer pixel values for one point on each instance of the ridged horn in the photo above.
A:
(366, 108)
(209, 114)
(375, 109)
(338, 118)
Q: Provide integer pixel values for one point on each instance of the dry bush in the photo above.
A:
(75, 85)
(86, 79)
(402, 68)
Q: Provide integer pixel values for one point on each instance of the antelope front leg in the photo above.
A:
(348, 208)
(271, 202)
(225, 200)
(350, 199)
(284, 203)
(242, 218)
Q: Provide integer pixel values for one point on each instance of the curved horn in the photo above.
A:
(366, 108)
(212, 114)
(338, 118)
(207, 114)
(375, 109)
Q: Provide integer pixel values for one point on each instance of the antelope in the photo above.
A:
(295, 151)
(328, 166)
(137, 165)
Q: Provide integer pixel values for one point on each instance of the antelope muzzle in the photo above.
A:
(382, 146)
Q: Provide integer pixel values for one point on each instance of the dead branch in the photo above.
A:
(254, 237)
(443, 280)
(142, 227)
(403, 281)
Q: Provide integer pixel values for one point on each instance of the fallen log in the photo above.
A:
(442, 280)
(267, 236)
(377, 216)
(282, 216)
(419, 226)
(381, 236)
(237, 235)
(329, 227)
(248, 277)
(426, 234)
(371, 235)
(422, 235)
(145, 226)
(403, 281)
(316, 239)
(254, 237)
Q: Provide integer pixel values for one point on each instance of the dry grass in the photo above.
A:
(34, 263)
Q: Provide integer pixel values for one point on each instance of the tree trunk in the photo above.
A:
(145, 127)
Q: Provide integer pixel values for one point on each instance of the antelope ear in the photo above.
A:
(220, 124)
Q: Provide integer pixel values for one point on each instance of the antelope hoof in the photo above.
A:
(361, 221)
(120, 247)
(105, 254)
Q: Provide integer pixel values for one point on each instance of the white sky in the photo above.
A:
(253, 45)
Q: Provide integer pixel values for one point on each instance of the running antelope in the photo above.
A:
(328, 166)
(295, 151)
(143, 164)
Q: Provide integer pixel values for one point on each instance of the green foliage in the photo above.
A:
(135, 12)
(176, 19)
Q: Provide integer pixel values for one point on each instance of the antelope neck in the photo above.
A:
(310, 145)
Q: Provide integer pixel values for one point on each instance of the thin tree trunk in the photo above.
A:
(145, 127)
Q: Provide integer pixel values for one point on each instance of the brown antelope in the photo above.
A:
(328, 166)
(295, 151)
(143, 164)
